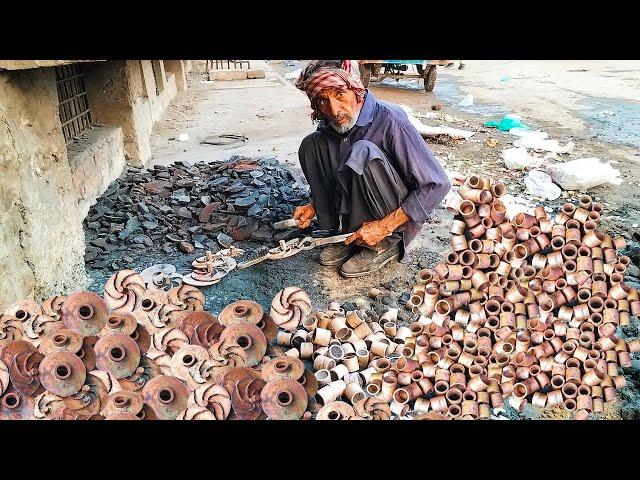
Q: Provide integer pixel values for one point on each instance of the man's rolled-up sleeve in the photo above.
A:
(421, 170)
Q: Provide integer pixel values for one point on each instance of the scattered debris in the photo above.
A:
(436, 106)
(540, 184)
(583, 174)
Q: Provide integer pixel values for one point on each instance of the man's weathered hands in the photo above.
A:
(370, 233)
(304, 213)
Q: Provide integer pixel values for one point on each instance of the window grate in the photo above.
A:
(73, 104)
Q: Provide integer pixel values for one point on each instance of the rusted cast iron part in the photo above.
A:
(187, 298)
(289, 307)
(246, 311)
(91, 399)
(120, 322)
(24, 309)
(235, 374)
(310, 383)
(5, 378)
(336, 410)
(15, 406)
(284, 399)
(61, 340)
(283, 367)
(250, 338)
(166, 395)
(142, 338)
(84, 313)
(213, 397)
(162, 361)
(245, 398)
(87, 354)
(24, 373)
(138, 379)
(268, 327)
(372, 408)
(39, 326)
(124, 291)
(118, 354)
(196, 413)
(185, 359)
(153, 302)
(48, 406)
(169, 340)
(62, 373)
(11, 348)
(227, 353)
(122, 416)
(52, 306)
(188, 320)
(10, 328)
(123, 402)
(147, 413)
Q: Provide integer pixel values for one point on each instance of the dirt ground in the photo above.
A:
(567, 100)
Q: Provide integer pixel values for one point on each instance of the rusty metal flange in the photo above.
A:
(372, 408)
(84, 313)
(234, 374)
(214, 397)
(284, 399)
(124, 291)
(283, 367)
(166, 395)
(61, 340)
(39, 326)
(120, 322)
(24, 309)
(336, 410)
(268, 327)
(123, 402)
(147, 413)
(138, 379)
(12, 348)
(15, 406)
(87, 354)
(242, 311)
(188, 320)
(289, 307)
(62, 373)
(185, 358)
(206, 334)
(118, 354)
(142, 338)
(187, 298)
(250, 338)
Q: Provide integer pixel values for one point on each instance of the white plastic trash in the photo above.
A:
(183, 137)
(583, 174)
(538, 143)
(541, 184)
(519, 159)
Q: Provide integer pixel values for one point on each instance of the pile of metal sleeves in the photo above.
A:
(522, 311)
(139, 353)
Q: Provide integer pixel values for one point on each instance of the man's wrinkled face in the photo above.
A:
(341, 107)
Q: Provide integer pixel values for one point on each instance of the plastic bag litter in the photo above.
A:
(506, 123)
(466, 101)
(519, 159)
(537, 142)
(428, 131)
(584, 173)
(524, 132)
(540, 184)
(515, 205)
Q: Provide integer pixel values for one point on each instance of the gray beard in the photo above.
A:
(345, 127)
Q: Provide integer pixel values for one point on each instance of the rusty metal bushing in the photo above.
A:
(85, 313)
(289, 307)
(118, 354)
(167, 396)
(62, 373)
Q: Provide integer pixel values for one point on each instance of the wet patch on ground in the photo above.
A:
(612, 120)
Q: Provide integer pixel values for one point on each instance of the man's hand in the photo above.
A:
(304, 213)
(370, 233)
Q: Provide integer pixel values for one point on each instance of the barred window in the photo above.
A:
(73, 105)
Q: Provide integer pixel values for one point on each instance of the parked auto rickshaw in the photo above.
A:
(381, 69)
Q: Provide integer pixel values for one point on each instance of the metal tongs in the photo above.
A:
(291, 247)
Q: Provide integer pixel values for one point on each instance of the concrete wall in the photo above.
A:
(41, 236)
(96, 160)
(23, 64)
